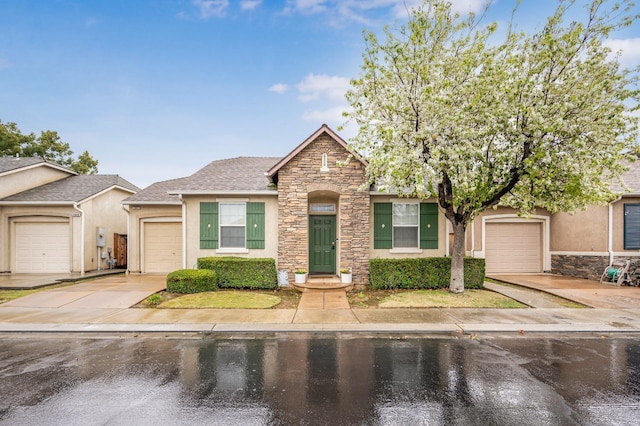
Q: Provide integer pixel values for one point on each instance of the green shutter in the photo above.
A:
(382, 225)
(255, 225)
(208, 225)
(428, 225)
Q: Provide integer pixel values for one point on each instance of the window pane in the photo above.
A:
(405, 236)
(232, 236)
(232, 214)
(406, 214)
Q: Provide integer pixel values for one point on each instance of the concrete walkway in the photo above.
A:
(324, 312)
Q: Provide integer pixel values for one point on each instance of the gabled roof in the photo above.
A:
(156, 193)
(323, 129)
(14, 164)
(70, 190)
(234, 175)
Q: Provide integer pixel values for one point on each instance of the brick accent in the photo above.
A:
(590, 267)
(302, 175)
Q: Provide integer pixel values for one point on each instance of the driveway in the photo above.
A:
(587, 292)
(119, 291)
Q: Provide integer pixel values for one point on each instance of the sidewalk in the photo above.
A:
(325, 314)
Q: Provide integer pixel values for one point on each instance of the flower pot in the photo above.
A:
(301, 278)
(346, 278)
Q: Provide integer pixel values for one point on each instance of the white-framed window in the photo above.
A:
(233, 222)
(406, 225)
(322, 208)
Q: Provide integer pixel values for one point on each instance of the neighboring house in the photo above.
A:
(580, 244)
(313, 210)
(50, 216)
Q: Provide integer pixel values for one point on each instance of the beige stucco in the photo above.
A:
(193, 229)
(583, 231)
(400, 253)
(102, 210)
(30, 177)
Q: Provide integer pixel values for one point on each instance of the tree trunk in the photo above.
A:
(456, 285)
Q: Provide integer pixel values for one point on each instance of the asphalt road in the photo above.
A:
(334, 379)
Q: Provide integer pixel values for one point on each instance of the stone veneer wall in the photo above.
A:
(590, 267)
(302, 175)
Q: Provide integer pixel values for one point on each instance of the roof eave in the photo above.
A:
(197, 192)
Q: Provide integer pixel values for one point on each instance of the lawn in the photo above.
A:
(225, 299)
(430, 299)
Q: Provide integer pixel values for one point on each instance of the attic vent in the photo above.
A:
(325, 163)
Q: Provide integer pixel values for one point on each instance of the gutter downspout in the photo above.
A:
(184, 232)
(128, 218)
(610, 231)
(75, 206)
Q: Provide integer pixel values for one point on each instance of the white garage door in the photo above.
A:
(42, 248)
(162, 246)
(513, 247)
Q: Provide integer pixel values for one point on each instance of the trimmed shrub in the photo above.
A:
(242, 272)
(422, 273)
(191, 281)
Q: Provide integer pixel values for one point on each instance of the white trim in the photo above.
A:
(232, 250)
(77, 207)
(405, 250)
(40, 164)
(514, 218)
(150, 203)
(184, 232)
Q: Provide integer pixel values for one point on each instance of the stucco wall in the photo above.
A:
(583, 231)
(21, 180)
(301, 176)
(193, 228)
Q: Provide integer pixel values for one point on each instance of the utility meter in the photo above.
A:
(101, 237)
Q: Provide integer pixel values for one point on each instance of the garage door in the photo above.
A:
(513, 247)
(42, 248)
(162, 246)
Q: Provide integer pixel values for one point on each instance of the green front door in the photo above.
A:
(322, 244)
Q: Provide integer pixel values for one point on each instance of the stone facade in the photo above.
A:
(590, 267)
(303, 177)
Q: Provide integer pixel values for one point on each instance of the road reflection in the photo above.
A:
(298, 379)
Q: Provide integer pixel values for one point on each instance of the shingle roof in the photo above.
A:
(235, 175)
(72, 189)
(631, 179)
(240, 174)
(8, 164)
(156, 193)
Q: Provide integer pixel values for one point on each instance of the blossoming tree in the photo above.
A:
(448, 109)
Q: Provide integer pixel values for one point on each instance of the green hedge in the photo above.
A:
(242, 272)
(419, 273)
(191, 281)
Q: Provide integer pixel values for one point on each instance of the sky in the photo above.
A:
(157, 89)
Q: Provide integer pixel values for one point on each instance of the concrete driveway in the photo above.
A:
(119, 291)
(587, 292)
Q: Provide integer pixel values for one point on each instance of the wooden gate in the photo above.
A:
(120, 250)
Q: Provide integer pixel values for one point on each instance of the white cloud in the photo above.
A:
(211, 8)
(315, 86)
(250, 4)
(331, 116)
(306, 7)
(279, 88)
(629, 49)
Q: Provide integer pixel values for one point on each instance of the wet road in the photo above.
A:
(302, 380)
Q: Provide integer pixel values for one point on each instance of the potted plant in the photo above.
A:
(301, 276)
(346, 275)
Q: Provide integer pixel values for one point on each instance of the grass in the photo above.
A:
(431, 299)
(233, 299)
